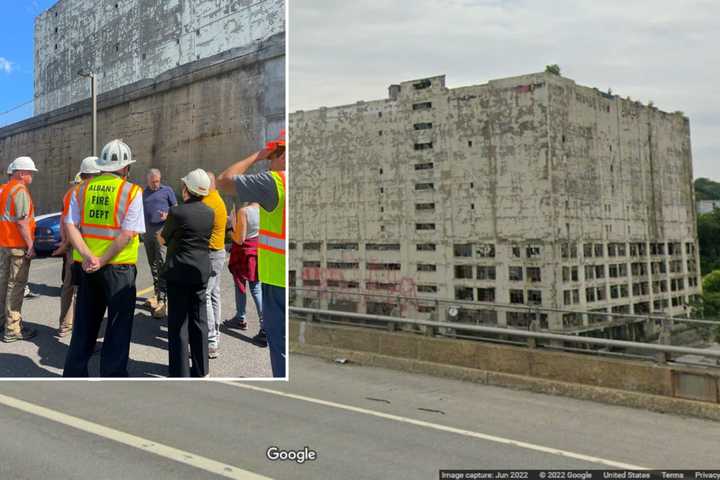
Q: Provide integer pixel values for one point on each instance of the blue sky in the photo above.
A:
(17, 28)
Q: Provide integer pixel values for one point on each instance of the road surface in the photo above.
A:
(363, 422)
(44, 355)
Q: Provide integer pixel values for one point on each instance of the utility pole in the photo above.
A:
(93, 90)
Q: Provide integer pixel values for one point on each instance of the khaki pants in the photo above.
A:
(67, 294)
(14, 270)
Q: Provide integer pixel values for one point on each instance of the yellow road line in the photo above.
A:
(181, 456)
(145, 290)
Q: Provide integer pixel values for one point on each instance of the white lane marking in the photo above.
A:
(188, 458)
(443, 428)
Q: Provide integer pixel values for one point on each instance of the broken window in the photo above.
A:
(600, 293)
(342, 246)
(567, 297)
(424, 186)
(485, 272)
(292, 246)
(599, 271)
(534, 251)
(422, 126)
(343, 265)
(382, 266)
(379, 133)
(463, 271)
(422, 106)
(590, 294)
(534, 297)
(599, 250)
(469, 143)
(424, 206)
(462, 250)
(589, 272)
(613, 271)
(424, 226)
(425, 247)
(486, 294)
(464, 293)
(517, 296)
(533, 274)
(574, 274)
(485, 250)
(426, 267)
(382, 246)
(515, 274)
(587, 250)
(423, 146)
(516, 251)
(422, 84)
(311, 264)
(427, 289)
(614, 291)
(424, 166)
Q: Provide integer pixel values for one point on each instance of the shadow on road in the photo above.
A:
(14, 365)
(44, 289)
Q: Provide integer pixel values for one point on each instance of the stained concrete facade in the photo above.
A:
(125, 41)
(524, 190)
(208, 114)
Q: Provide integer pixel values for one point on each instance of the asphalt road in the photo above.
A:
(44, 355)
(364, 423)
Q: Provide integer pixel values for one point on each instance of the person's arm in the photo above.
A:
(168, 230)
(24, 225)
(226, 182)
(242, 225)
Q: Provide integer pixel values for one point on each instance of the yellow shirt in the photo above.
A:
(215, 201)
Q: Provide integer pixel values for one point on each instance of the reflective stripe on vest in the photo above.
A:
(10, 236)
(104, 202)
(271, 239)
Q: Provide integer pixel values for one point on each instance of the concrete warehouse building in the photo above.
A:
(186, 83)
(529, 190)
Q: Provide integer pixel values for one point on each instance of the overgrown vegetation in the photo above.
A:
(706, 189)
(554, 69)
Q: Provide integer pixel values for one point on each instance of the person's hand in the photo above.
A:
(163, 215)
(60, 250)
(264, 154)
(91, 264)
(30, 252)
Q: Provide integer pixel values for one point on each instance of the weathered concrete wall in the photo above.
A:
(205, 114)
(525, 172)
(675, 389)
(124, 41)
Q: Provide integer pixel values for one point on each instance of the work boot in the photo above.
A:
(25, 334)
(160, 310)
(212, 352)
(236, 323)
(260, 339)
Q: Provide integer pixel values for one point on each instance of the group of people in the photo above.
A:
(103, 216)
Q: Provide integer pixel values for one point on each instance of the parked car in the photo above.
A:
(47, 233)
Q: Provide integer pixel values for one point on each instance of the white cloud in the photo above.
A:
(659, 50)
(6, 65)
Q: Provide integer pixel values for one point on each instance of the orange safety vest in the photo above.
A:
(9, 230)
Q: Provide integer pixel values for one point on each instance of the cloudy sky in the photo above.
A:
(667, 51)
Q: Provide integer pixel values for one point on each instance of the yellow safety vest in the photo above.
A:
(104, 202)
(271, 241)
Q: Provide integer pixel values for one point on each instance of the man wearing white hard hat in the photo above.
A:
(187, 232)
(88, 170)
(17, 234)
(104, 220)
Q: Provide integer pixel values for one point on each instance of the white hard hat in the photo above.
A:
(10, 168)
(22, 163)
(114, 156)
(197, 182)
(89, 165)
(77, 180)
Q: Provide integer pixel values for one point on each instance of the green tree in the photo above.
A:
(706, 189)
(554, 69)
(709, 241)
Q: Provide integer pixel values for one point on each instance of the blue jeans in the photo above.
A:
(241, 301)
(273, 306)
